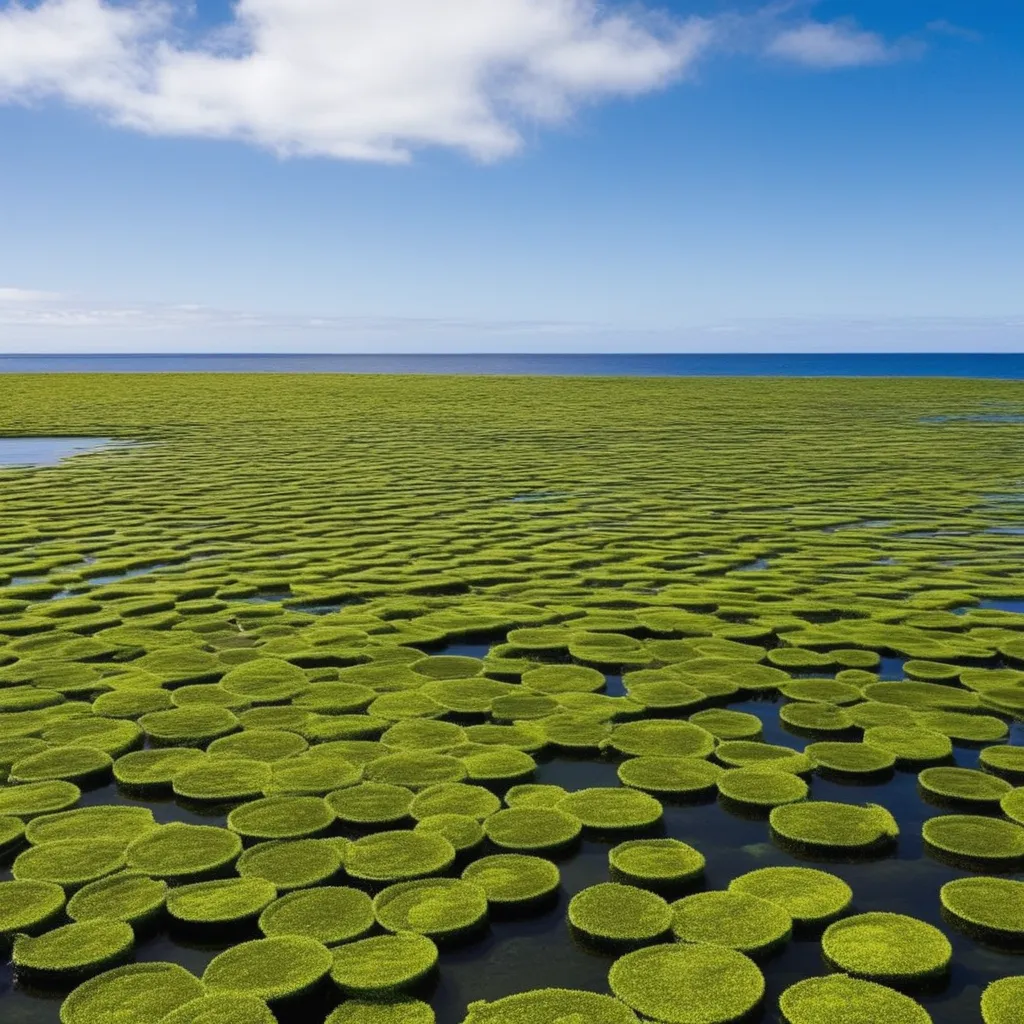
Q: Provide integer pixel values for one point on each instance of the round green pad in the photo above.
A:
(963, 785)
(270, 969)
(675, 776)
(27, 906)
(383, 964)
(975, 837)
(69, 862)
(178, 851)
(76, 949)
(655, 862)
(329, 914)
(839, 999)
(399, 1011)
(988, 905)
(220, 901)
(532, 828)
(734, 919)
(371, 803)
(293, 863)
(821, 824)
(886, 947)
(139, 993)
(398, 856)
(222, 1009)
(508, 878)
(688, 984)
(551, 1006)
(438, 907)
(809, 896)
(1003, 1001)
(281, 817)
(127, 896)
(758, 787)
(619, 913)
(614, 809)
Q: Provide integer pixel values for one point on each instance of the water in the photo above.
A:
(1005, 366)
(47, 451)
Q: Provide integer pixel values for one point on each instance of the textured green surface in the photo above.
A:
(437, 907)
(735, 919)
(383, 964)
(883, 946)
(272, 969)
(843, 1000)
(551, 1006)
(809, 896)
(329, 914)
(139, 993)
(619, 913)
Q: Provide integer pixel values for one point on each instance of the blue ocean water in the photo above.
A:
(1004, 366)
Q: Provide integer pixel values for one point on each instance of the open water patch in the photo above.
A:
(51, 451)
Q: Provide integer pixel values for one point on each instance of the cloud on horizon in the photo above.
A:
(377, 79)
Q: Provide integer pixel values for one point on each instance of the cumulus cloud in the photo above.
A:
(837, 44)
(355, 79)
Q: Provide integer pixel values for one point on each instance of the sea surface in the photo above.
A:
(1003, 366)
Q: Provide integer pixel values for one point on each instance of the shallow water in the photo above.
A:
(47, 451)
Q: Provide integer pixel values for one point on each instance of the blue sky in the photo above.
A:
(310, 175)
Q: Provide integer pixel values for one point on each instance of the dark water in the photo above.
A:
(46, 451)
(1006, 366)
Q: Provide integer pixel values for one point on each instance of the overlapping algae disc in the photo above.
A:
(1012, 805)
(892, 948)
(809, 896)
(511, 879)
(849, 759)
(398, 856)
(654, 863)
(441, 908)
(619, 914)
(371, 803)
(551, 1006)
(383, 965)
(129, 896)
(28, 907)
(975, 838)
(911, 745)
(761, 787)
(987, 907)
(725, 724)
(532, 828)
(221, 779)
(35, 798)
(142, 993)
(72, 764)
(454, 798)
(534, 794)
(281, 817)
(293, 863)
(184, 852)
(274, 969)
(398, 1011)
(222, 1009)
(746, 754)
(154, 769)
(612, 809)
(839, 999)
(1007, 762)
(221, 901)
(69, 862)
(1002, 1002)
(677, 777)
(734, 919)
(680, 983)
(962, 785)
(76, 950)
(330, 914)
(652, 737)
(821, 826)
(105, 823)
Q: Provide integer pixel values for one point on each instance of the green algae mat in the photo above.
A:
(512, 700)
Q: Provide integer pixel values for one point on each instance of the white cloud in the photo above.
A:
(837, 44)
(26, 296)
(354, 79)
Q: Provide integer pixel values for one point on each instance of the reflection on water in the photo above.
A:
(49, 451)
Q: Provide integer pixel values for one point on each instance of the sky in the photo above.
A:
(541, 175)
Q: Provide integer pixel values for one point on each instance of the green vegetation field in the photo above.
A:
(474, 696)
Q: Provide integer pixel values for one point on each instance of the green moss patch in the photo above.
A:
(615, 913)
(528, 829)
(266, 681)
(293, 864)
(973, 837)
(892, 948)
(555, 679)
(843, 1000)
(74, 951)
(222, 1009)
(69, 862)
(1012, 805)
(398, 856)
(1002, 1002)
(454, 798)
(551, 1006)
(28, 906)
(371, 803)
(853, 759)
(142, 993)
(441, 908)
(688, 984)
(962, 727)
(735, 919)
(724, 724)
(192, 726)
(272, 969)
(661, 738)
(1006, 762)
(35, 798)
(987, 907)
(910, 745)
(221, 779)
(281, 817)
(509, 878)
(761, 787)
(822, 826)
(462, 831)
(268, 745)
(128, 896)
(398, 1011)
(105, 823)
(383, 965)
(415, 771)
(744, 753)
(962, 785)
(656, 863)
(679, 777)
(807, 895)
(607, 809)
(534, 794)
(807, 717)
(179, 852)
(330, 914)
(221, 901)
(153, 769)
